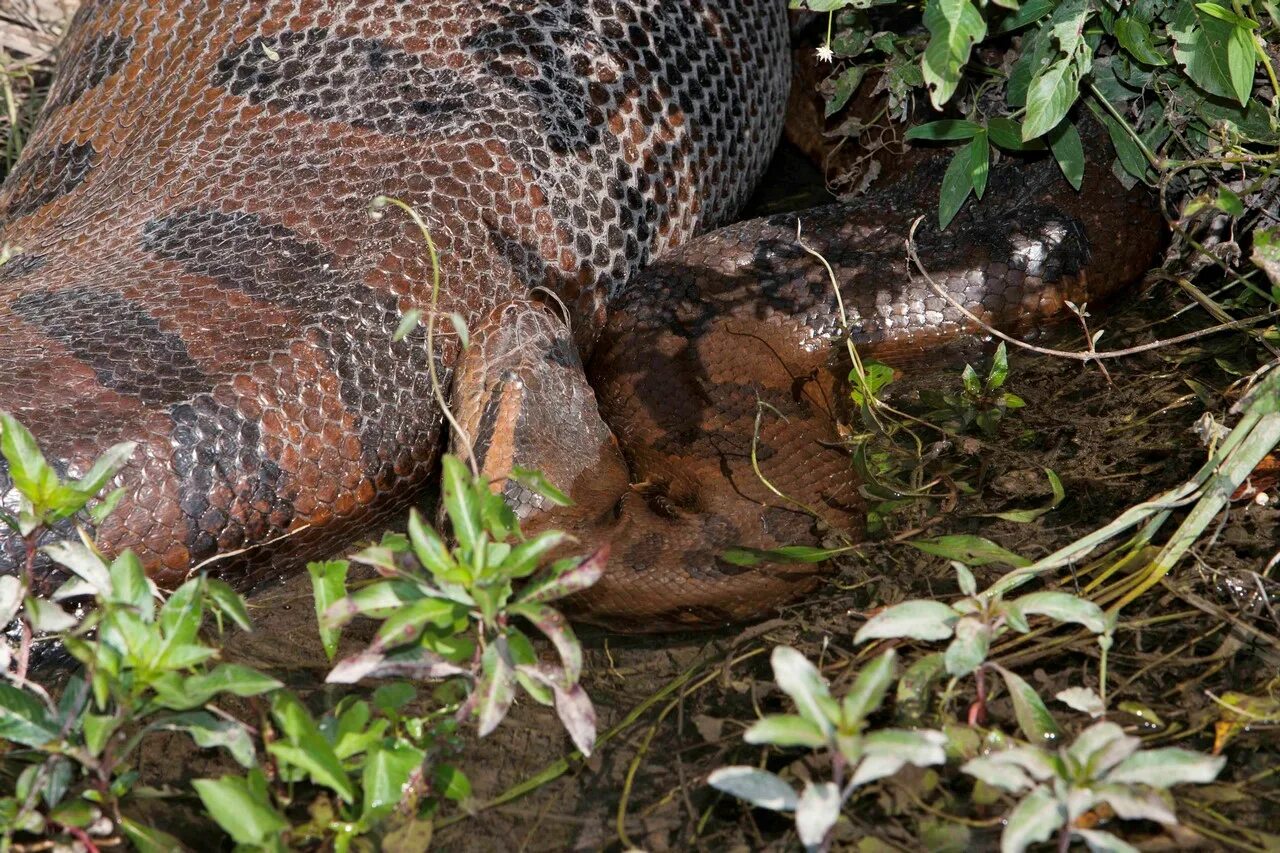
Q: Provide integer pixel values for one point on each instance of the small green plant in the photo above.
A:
(839, 729)
(981, 402)
(972, 624)
(455, 610)
(1103, 765)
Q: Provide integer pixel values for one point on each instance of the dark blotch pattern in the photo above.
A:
(363, 82)
(119, 340)
(87, 67)
(21, 267)
(47, 175)
(215, 447)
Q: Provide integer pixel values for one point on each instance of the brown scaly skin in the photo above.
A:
(200, 274)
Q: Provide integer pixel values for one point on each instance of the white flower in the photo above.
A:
(825, 54)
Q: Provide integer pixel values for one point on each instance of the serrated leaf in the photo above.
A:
(758, 787)
(918, 620)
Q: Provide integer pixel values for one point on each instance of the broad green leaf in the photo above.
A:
(28, 469)
(129, 585)
(970, 550)
(24, 719)
(920, 748)
(800, 680)
(846, 84)
(1163, 768)
(868, 689)
(957, 182)
(1033, 717)
(46, 617)
(758, 787)
(575, 579)
(210, 732)
(243, 813)
(1028, 12)
(969, 649)
(306, 748)
(1217, 55)
(452, 783)
(77, 557)
(1033, 820)
(386, 772)
(876, 376)
(1052, 92)
(944, 130)
(954, 27)
(461, 502)
(999, 774)
(979, 162)
(1064, 607)
(918, 620)
(1132, 803)
(1068, 150)
(1082, 699)
(785, 730)
(527, 556)
(816, 812)
(328, 586)
(105, 467)
(228, 602)
(1099, 748)
(495, 690)
(537, 482)
(1007, 134)
(1134, 36)
(148, 839)
(555, 628)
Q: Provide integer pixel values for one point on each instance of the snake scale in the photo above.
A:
(199, 272)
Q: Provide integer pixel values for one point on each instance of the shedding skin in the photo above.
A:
(199, 273)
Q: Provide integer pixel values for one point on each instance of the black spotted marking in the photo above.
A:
(382, 382)
(95, 60)
(44, 175)
(216, 450)
(366, 83)
(124, 345)
(21, 266)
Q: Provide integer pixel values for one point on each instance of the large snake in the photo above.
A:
(199, 272)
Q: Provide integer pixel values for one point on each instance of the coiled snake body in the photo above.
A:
(199, 272)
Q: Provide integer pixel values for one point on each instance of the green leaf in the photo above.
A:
(241, 808)
(758, 787)
(970, 550)
(30, 472)
(386, 772)
(306, 748)
(461, 502)
(24, 719)
(800, 680)
(1064, 607)
(495, 689)
(329, 586)
(1068, 150)
(868, 689)
(876, 376)
(1164, 768)
(573, 578)
(1007, 134)
(1217, 55)
(1033, 717)
(785, 730)
(148, 839)
(1228, 202)
(210, 732)
(105, 467)
(1033, 820)
(452, 783)
(537, 482)
(999, 774)
(956, 184)
(969, 648)
(919, 620)
(408, 322)
(1028, 12)
(1134, 36)
(846, 84)
(784, 554)
(945, 130)
(526, 557)
(954, 27)
(555, 628)
(1052, 92)
(1266, 253)
(816, 812)
(979, 162)
(228, 602)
